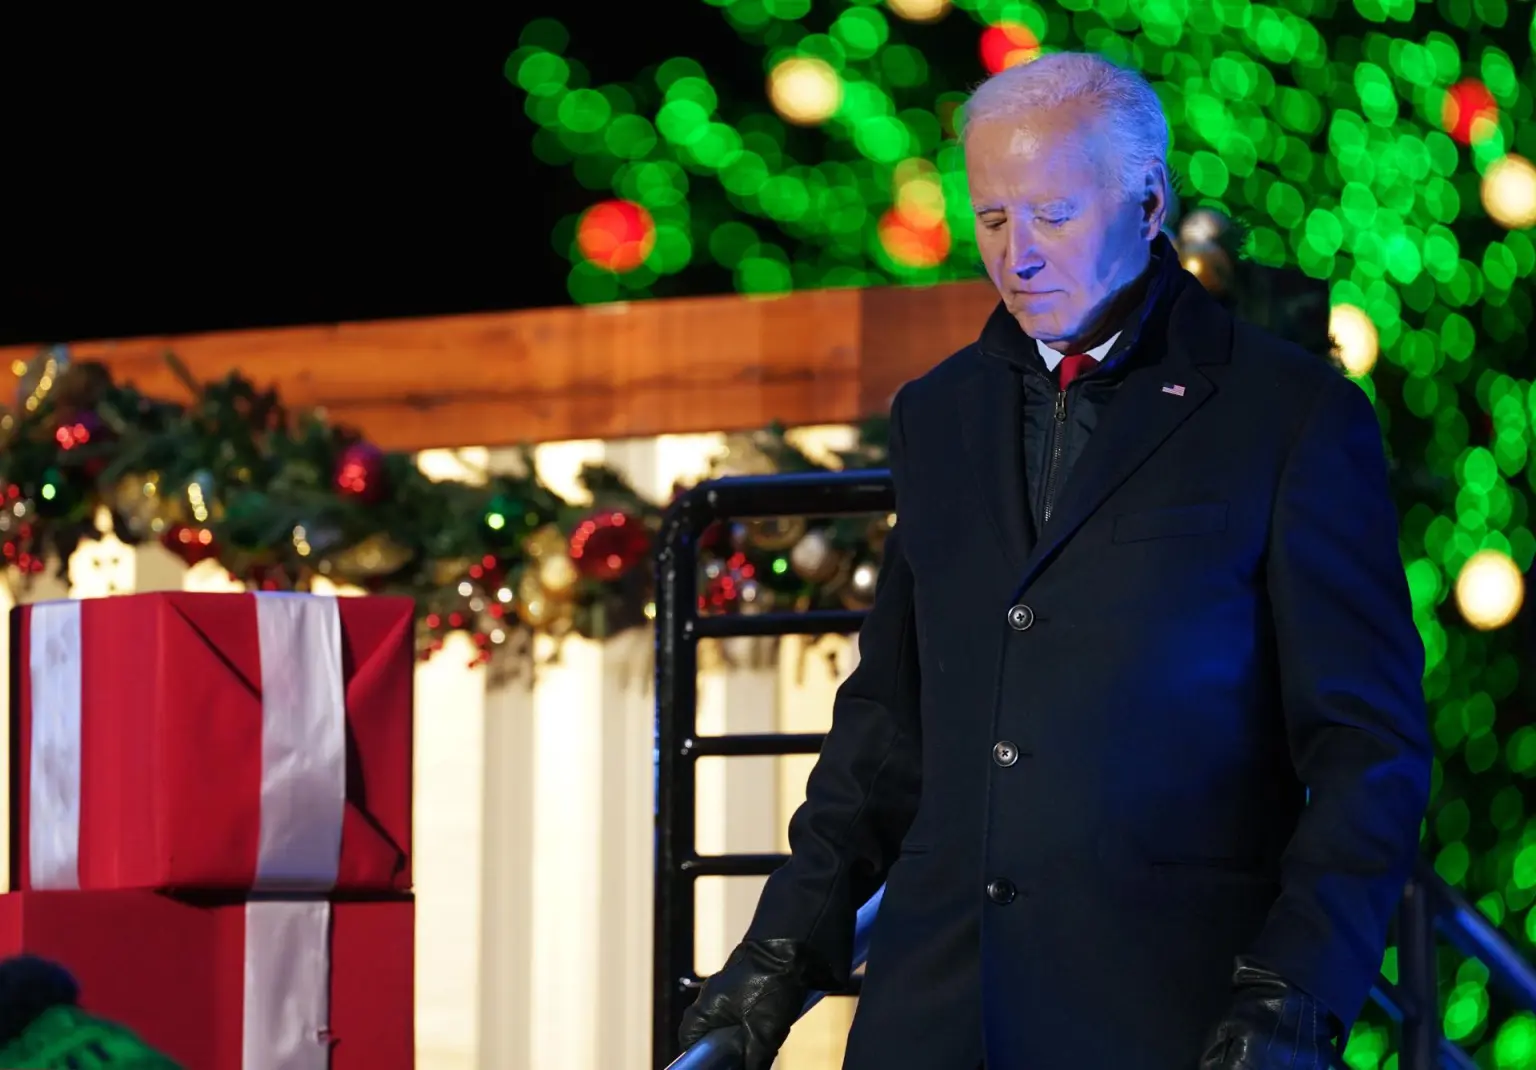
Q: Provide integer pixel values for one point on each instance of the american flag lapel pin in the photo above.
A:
(1176, 389)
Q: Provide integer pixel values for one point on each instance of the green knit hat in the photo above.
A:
(67, 1038)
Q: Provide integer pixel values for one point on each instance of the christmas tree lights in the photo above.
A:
(1382, 146)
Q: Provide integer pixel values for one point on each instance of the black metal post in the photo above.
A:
(1418, 981)
(678, 630)
(677, 696)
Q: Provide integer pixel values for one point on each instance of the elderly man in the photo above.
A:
(1137, 742)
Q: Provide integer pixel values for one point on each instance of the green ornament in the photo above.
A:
(509, 519)
(56, 496)
(775, 573)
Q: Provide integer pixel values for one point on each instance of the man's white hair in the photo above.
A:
(1122, 99)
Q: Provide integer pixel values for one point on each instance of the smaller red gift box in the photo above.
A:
(213, 741)
(264, 985)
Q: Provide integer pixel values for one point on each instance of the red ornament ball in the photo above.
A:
(80, 429)
(914, 242)
(1469, 113)
(360, 473)
(1008, 44)
(606, 545)
(616, 235)
(191, 544)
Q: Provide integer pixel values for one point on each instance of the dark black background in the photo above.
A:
(265, 169)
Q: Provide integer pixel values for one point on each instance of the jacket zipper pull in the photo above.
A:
(1061, 406)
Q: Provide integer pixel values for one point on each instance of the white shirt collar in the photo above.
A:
(1053, 358)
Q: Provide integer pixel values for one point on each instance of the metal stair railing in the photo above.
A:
(1429, 905)
(679, 627)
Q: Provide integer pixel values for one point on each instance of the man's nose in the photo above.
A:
(1024, 258)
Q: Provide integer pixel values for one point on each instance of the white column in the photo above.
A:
(448, 831)
(506, 973)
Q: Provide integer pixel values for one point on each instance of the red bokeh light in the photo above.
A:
(1469, 112)
(1007, 44)
(914, 241)
(616, 235)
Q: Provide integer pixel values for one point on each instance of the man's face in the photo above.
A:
(1057, 235)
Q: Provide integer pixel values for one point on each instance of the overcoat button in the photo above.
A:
(1001, 891)
(1005, 754)
(1020, 618)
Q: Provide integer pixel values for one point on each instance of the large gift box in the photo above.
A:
(212, 741)
(262, 985)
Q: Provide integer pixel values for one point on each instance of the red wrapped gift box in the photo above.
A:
(213, 741)
(265, 985)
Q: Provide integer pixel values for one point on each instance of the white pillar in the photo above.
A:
(448, 831)
(506, 973)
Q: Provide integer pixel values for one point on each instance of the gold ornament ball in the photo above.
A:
(1210, 264)
(1203, 227)
(534, 606)
(557, 574)
(449, 570)
(776, 533)
(137, 500)
(547, 541)
(859, 593)
(377, 555)
(813, 557)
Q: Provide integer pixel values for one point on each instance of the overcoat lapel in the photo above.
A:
(990, 410)
(1155, 399)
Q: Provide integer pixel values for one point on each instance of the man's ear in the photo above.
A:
(1156, 196)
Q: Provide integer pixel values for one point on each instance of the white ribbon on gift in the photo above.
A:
(53, 833)
(287, 985)
(303, 793)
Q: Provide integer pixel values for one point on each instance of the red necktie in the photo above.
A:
(1073, 365)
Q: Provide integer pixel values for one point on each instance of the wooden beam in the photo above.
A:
(605, 371)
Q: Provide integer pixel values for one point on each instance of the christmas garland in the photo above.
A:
(281, 498)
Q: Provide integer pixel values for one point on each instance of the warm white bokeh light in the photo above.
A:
(805, 91)
(918, 194)
(919, 10)
(1509, 192)
(1355, 335)
(1490, 590)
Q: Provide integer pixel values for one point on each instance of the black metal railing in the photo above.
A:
(1429, 904)
(679, 627)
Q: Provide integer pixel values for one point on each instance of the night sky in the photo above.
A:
(183, 177)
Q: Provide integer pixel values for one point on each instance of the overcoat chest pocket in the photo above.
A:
(1205, 519)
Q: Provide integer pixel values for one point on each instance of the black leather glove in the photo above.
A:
(761, 988)
(1271, 1025)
